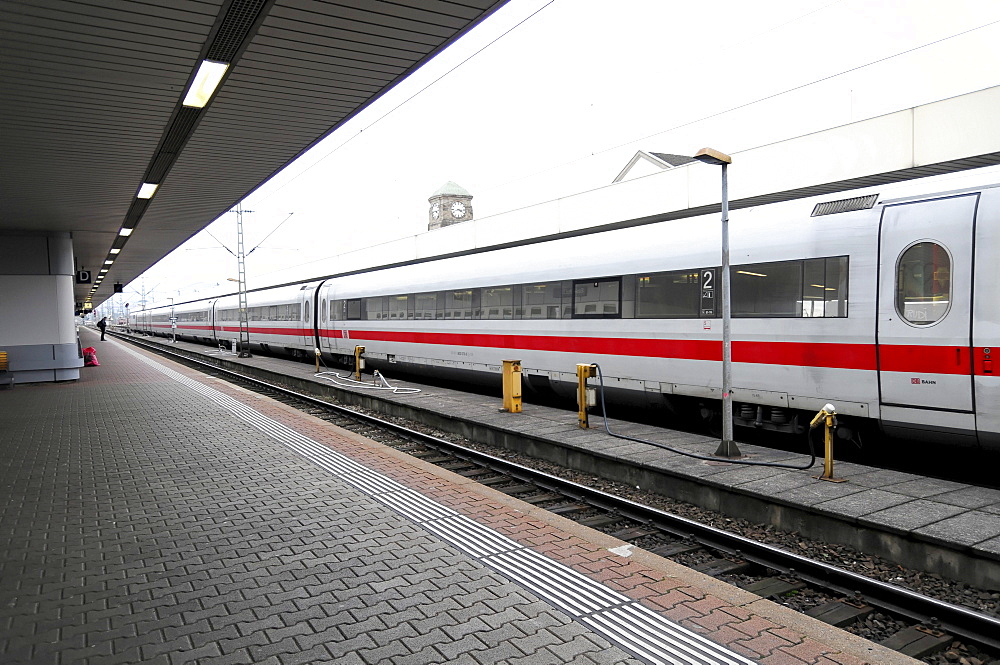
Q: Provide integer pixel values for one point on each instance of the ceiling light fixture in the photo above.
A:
(147, 190)
(125, 232)
(205, 82)
(115, 251)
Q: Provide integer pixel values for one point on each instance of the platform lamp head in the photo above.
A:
(713, 157)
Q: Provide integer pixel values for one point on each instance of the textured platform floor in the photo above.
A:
(919, 521)
(148, 517)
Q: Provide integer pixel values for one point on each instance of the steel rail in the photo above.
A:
(958, 620)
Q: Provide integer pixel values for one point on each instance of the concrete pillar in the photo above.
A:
(37, 322)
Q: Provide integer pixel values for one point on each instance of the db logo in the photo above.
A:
(915, 381)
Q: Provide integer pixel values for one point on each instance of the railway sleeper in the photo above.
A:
(569, 509)
(438, 459)
(490, 482)
(635, 533)
(918, 641)
(676, 548)
(514, 490)
(716, 567)
(459, 465)
(773, 587)
(601, 520)
(476, 472)
(840, 613)
(543, 498)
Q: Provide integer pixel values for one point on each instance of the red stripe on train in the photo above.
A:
(954, 360)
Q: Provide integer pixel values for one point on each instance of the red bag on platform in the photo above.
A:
(90, 357)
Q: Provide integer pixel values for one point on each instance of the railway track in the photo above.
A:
(926, 625)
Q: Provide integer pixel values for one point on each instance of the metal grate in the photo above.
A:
(235, 28)
(844, 205)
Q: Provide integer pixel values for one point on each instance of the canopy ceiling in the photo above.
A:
(92, 106)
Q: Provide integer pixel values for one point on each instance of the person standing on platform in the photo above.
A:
(103, 324)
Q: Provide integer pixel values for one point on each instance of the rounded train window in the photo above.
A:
(923, 283)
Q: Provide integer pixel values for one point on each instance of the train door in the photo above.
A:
(328, 321)
(925, 314)
(307, 316)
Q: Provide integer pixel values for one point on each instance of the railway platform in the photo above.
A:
(944, 527)
(153, 515)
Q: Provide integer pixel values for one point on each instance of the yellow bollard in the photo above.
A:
(584, 396)
(359, 362)
(512, 386)
(828, 418)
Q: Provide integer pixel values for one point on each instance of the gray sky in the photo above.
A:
(550, 98)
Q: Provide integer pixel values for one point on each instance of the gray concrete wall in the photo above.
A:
(37, 322)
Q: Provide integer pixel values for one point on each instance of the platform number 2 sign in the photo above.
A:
(708, 291)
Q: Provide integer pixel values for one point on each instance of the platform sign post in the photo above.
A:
(727, 447)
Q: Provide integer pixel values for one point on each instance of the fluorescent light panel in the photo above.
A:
(205, 82)
(115, 251)
(147, 190)
(125, 232)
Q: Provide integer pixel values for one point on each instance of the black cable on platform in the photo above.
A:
(710, 458)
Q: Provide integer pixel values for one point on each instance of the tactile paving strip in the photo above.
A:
(609, 613)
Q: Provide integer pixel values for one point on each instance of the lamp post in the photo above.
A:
(173, 321)
(727, 447)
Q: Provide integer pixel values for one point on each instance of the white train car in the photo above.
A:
(882, 306)
(278, 320)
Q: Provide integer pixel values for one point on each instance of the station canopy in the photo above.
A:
(93, 107)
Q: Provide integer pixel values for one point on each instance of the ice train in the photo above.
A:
(885, 307)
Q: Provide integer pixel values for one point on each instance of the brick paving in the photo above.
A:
(142, 523)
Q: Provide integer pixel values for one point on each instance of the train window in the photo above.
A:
(767, 289)
(498, 302)
(425, 306)
(836, 286)
(541, 301)
(824, 287)
(295, 311)
(461, 304)
(375, 308)
(399, 308)
(923, 283)
(809, 288)
(597, 299)
(354, 311)
(669, 295)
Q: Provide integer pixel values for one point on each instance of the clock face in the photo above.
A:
(457, 209)
(435, 211)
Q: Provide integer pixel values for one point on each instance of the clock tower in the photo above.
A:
(449, 205)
